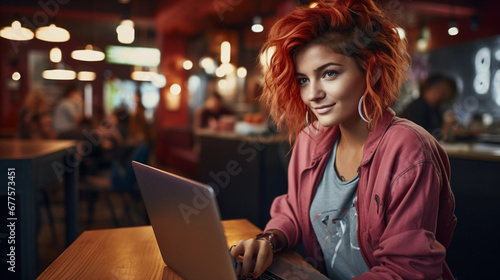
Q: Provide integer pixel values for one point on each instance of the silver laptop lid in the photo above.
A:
(186, 223)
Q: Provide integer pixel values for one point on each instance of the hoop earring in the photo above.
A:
(307, 123)
(361, 113)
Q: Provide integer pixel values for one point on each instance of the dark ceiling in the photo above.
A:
(192, 17)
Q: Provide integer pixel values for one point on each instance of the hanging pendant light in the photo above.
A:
(86, 76)
(146, 74)
(90, 53)
(61, 71)
(453, 28)
(257, 26)
(126, 32)
(85, 73)
(143, 74)
(453, 25)
(16, 32)
(52, 33)
(55, 55)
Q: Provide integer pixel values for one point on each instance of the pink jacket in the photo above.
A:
(405, 205)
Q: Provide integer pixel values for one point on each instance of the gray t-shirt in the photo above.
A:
(334, 219)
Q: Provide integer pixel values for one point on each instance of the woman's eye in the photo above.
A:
(330, 73)
(302, 81)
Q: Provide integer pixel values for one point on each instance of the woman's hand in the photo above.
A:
(253, 257)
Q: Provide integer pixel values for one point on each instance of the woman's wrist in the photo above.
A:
(272, 239)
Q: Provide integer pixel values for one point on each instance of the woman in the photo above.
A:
(369, 194)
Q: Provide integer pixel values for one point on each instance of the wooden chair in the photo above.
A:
(119, 181)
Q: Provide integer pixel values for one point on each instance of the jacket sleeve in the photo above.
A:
(283, 218)
(408, 248)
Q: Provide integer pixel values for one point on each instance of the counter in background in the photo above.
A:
(475, 181)
(247, 172)
(475, 151)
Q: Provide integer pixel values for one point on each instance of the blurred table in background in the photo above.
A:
(36, 164)
(475, 181)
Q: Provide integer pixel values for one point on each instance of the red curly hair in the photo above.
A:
(355, 28)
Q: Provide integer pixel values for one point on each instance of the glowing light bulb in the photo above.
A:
(175, 89)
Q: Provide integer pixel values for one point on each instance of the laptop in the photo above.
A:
(186, 223)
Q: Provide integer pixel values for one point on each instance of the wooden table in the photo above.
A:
(130, 253)
(35, 164)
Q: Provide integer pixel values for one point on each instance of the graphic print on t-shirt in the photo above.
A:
(336, 222)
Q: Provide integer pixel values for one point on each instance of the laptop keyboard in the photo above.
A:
(269, 276)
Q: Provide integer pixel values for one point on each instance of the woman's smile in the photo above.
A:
(323, 109)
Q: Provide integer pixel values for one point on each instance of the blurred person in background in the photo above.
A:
(428, 109)
(68, 114)
(138, 129)
(35, 120)
(210, 114)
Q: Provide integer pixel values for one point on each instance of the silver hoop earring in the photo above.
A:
(307, 123)
(359, 110)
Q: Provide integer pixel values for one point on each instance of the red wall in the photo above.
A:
(173, 50)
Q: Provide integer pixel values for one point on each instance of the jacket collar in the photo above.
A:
(375, 136)
(324, 140)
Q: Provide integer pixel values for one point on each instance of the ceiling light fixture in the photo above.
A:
(52, 33)
(90, 53)
(224, 69)
(126, 32)
(208, 64)
(16, 32)
(225, 52)
(142, 76)
(16, 76)
(55, 55)
(145, 74)
(257, 26)
(241, 72)
(60, 72)
(175, 89)
(187, 64)
(453, 25)
(453, 28)
(86, 76)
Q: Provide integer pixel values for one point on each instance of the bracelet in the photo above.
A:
(272, 239)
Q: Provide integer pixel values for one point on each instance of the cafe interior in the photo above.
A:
(146, 71)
